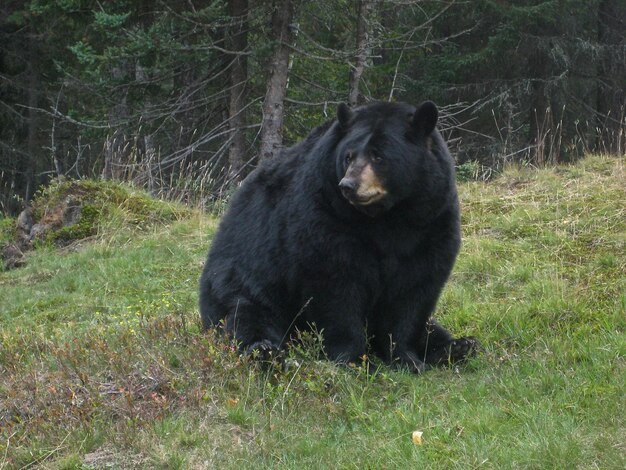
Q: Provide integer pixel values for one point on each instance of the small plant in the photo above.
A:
(468, 171)
(7, 230)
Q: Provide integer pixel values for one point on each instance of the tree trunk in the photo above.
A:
(539, 112)
(33, 124)
(238, 78)
(146, 143)
(54, 152)
(362, 49)
(115, 145)
(611, 75)
(274, 104)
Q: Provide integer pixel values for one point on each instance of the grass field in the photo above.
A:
(102, 364)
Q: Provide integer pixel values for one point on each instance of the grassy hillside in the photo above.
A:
(102, 364)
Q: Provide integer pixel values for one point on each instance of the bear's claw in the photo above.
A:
(462, 348)
(457, 350)
(263, 350)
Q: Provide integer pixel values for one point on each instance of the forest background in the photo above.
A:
(184, 98)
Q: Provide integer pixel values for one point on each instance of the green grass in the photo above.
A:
(102, 364)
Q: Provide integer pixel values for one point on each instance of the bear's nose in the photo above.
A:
(347, 186)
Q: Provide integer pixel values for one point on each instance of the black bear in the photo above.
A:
(355, 231)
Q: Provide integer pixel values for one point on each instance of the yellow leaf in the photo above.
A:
(417, 438)
(232, 402)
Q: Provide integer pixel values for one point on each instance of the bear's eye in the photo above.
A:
(377, 158)
(348, 157)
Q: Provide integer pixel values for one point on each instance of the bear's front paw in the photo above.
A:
(264, 351)
(455, 351)
(463, 348)
(410, 361)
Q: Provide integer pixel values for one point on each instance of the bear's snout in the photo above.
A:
(361, 186)
(348, 187)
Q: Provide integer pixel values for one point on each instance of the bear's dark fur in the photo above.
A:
(354, 230)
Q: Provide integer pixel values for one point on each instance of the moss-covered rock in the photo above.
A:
(77, 209)
(71, 210)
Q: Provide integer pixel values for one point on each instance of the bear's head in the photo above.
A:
(390, 152)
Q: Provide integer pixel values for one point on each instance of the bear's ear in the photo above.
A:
(344, 115)
(425, 118)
